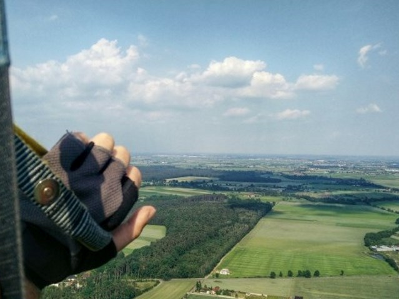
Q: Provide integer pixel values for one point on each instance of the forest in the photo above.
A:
(200, 231)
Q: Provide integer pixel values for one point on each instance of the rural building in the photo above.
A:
(385, 248)
(68, 282)
(225, 272)
(255, 294)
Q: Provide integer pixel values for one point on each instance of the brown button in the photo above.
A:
(46, 191)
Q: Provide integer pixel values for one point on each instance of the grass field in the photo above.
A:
(150, 234)
(389, 180)
(393, 205)
(173, 289)
(166, 190)
(303, 236)
(359, 287)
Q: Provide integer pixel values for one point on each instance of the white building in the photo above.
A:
(385, 248)
(225, 272)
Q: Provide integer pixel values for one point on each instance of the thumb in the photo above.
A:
(130, 230)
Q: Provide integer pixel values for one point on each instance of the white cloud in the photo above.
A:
(236, 78)
(231, 72)
(165, 92)
(230, 78)
(316, 82)
(109, 82)
(103, 63)
(267, 85)
(364, 52)
(292, 114)
(236, 112)
(371, 108)
(101, 69)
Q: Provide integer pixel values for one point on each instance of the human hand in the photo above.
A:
(131, 229)
(100, 175)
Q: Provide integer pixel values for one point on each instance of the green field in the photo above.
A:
(359, 287)
(173, 289)
(346, 287)
(166, 190)
(389, 180)
(393, 205)
(150, 233)
(304, 236)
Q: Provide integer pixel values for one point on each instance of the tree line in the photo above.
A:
(317, 179)
(301, 273)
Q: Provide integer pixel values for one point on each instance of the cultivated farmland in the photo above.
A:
(303, 236)
(365, 287)
(173, 289)
(164, 190)
(322, 212)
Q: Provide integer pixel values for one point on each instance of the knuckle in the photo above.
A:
(104, 139)
(81, 136)
(135, 175)
(121, 153)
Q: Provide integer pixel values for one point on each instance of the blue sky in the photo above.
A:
(245, 77)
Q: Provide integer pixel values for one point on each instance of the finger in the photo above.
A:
(82, 137)
(134, 174)
(104, 140)
(131, 229)
(121, 153)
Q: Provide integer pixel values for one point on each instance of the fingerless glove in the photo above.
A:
(70, 201)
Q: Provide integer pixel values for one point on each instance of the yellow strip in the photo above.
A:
(32, 143)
